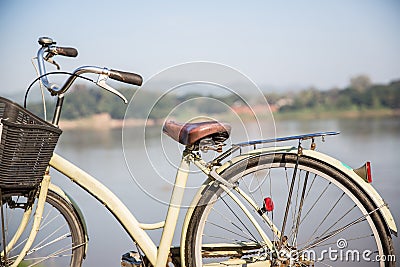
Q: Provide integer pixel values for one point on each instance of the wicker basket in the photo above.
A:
(26, 146)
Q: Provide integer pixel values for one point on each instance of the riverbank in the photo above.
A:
(336, 114)
(103, 121)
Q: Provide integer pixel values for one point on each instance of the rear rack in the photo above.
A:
(287, 138)
(254, 143)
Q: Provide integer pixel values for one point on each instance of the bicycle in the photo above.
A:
(232, 220)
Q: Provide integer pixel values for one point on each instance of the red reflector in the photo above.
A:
(268, 204)
(369, 175)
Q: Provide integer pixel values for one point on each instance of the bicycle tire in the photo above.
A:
(199, 224)
(60, 240)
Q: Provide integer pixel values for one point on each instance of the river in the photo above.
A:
(101, 154)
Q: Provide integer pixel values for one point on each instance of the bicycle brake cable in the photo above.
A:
(51, 73)
(41, 89)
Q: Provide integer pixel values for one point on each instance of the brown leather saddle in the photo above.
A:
(190, 133)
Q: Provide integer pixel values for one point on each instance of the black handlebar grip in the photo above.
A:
(126, 77)
(66, 51)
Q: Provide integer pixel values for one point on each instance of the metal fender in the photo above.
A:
(368, 189)
(78, 211)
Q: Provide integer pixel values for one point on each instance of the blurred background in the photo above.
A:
(281, 45)
(331, 65)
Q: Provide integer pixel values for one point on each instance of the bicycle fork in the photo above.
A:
(35, 227)
(2, 229)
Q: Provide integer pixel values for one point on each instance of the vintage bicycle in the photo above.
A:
(260, 204)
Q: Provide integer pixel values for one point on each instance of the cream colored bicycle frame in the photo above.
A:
(158, 256)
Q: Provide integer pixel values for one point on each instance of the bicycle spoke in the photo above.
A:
(297, 222)
(262, 196)
(287, 184)
(44, 224)
(233, 223)
(231, 231)
(238, 218)
(347, 239)
(294, 216)
(44, 240)
(18, 245)
(316, 201)
(40, 229)
(41, 259)
(338, 231)
(56, 254)
(37, 248)
(223, 238)
(311, 185)
(334, 233)
(326, 216)
(341, 218)
(289, 199)
(49, 243)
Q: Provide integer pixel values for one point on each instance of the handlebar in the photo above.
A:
(126, 77)
(64, 51)
(46, 53)
(48, 50)
(135, 79)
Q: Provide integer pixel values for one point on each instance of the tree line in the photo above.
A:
(353, 97)
(359, 95)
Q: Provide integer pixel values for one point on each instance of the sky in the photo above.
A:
(280, 45)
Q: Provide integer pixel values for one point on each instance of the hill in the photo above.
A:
(358, 98)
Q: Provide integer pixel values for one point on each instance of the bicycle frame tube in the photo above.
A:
(173, 211)
(36, 222)
(158, 258)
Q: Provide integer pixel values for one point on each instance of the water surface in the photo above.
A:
(101, 154)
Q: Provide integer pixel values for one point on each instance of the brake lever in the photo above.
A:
(101, 81)
(49, 58)
(52, 61)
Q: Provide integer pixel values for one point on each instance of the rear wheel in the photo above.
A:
(60, 240)
(330, 221)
